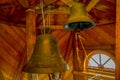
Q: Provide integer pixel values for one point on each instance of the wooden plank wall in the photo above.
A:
(12, 46)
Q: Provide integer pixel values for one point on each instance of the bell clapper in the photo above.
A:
(55, 77)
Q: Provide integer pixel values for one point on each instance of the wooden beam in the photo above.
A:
(24, 3)
(30, 31)
(102, 47)
(30, 40)
(68, 2)
(90, 74)
(77, 59)
(106, 21)
(54, 27)
(117, 53)
(54, 10)
(91, 4)
(61, 27)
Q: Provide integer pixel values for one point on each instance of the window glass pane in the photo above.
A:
(104, 58)
(110, 64)
(96, 57)
(92, 63)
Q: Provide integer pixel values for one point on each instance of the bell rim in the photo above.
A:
(66, 26)
(44, 70)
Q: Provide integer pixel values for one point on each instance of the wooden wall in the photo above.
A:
(13, 46)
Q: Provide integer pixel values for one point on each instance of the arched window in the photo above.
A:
(100, 64)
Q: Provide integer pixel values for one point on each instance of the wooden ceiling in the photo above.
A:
(103, 12)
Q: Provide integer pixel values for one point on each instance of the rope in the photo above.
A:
(41, 3)
(80, 38)
(49, 16)
(77, 49)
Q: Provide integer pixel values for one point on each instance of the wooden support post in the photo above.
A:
(30, 41)
(117, 40)
(77, 59)
(30, 37)
(30, 31)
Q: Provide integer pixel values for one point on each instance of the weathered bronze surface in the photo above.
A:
(78, 18)
(46, 57)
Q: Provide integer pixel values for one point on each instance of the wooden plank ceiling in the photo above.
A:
(13, 33)
(104, 10)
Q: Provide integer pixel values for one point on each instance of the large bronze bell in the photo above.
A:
(78, 18)
(46, 57)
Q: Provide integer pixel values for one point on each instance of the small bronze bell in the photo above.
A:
(78, 18)
(46, 57)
